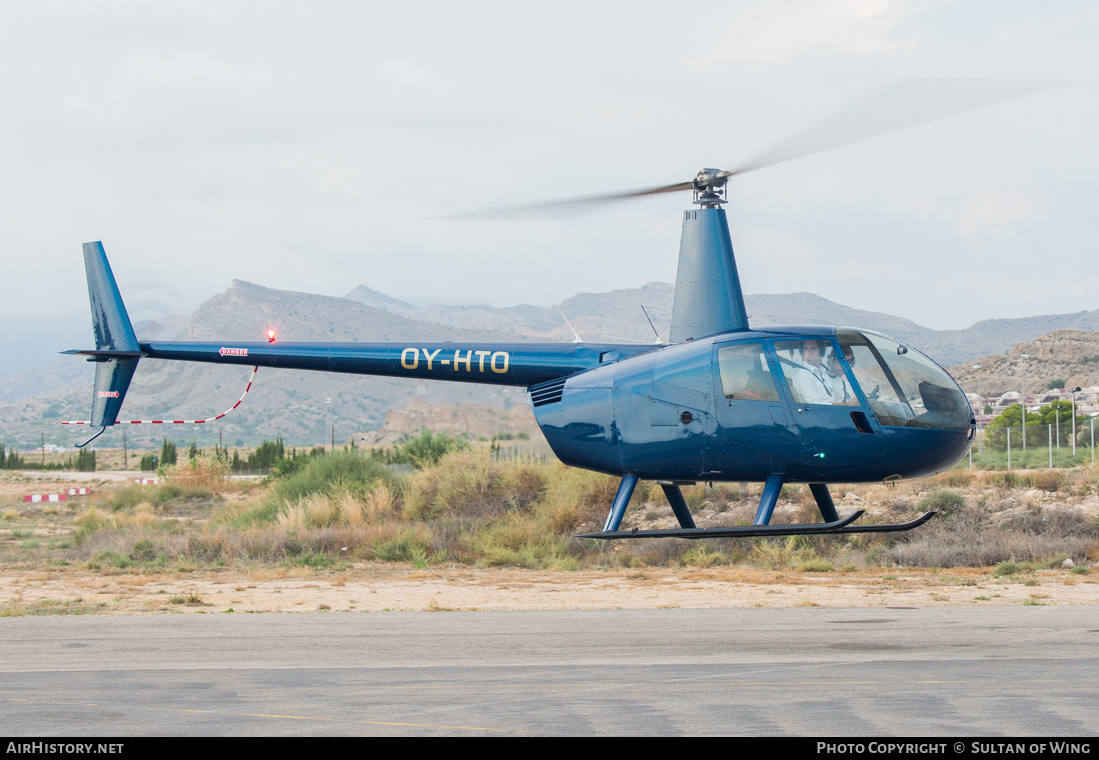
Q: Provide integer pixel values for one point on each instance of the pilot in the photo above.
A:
(815, 383)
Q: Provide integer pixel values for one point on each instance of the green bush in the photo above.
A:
(340, 471)
(110, 558)
(1011, 568)
(423, 449)
(408, 546)
(944, 501)
(466, 484)
(144, 551)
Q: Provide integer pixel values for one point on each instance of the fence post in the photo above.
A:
(1009, 447)
(1050, 427)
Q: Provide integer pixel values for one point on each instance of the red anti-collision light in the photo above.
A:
(270, 336)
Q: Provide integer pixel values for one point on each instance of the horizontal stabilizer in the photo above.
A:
(102, 356)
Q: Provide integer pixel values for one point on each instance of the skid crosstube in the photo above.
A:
(762, 531)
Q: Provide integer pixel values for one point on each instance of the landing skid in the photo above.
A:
(761, 531)
(833, 524)
(890, 527)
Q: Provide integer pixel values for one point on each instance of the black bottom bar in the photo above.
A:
(890, 527)
(762, 531)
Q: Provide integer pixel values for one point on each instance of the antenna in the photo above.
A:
(658, 341)
(567, 322)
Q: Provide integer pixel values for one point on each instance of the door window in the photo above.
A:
(745, 375)
(814, 373)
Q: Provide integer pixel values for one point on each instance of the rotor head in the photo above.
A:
(709, 187)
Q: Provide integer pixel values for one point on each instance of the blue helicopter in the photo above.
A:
(722, 401)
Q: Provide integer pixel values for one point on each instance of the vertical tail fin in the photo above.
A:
(113, 332)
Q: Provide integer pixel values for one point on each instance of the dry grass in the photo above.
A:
(471, 510)
(204, 472)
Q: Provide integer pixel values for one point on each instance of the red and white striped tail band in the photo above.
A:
(177, 422)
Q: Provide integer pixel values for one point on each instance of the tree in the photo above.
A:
(12, 461)
(996, 432)
(1012, 417)
(167, 453)
(426, 448)
(85, 461)
(268, 453)
(1059, 411)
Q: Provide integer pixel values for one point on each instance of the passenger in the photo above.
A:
(842, 392)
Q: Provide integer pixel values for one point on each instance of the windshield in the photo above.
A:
(903, 386)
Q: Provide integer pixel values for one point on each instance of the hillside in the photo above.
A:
(293, 404)
(1068, 355)
(282, 402)
(617, 315)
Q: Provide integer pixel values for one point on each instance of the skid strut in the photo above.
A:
(772, 487)
(621, 501)
(824, 502)
(679, 505)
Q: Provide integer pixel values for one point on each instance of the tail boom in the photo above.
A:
(515, 364)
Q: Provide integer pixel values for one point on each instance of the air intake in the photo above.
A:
(547, 393)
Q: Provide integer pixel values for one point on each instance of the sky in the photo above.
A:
(319, 146)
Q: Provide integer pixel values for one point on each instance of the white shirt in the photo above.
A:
(816, 385)
(841, 388)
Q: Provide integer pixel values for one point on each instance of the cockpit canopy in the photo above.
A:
(902, 386)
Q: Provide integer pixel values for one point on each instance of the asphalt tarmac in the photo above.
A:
(830, 672)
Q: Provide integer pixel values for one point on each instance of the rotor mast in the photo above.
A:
(708, 295)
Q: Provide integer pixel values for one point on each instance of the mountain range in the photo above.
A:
(302, 407)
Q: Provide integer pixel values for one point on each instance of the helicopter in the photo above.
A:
(721, 401)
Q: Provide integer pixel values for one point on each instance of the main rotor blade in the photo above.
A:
(896, 106)
(554, 209)
(899, 105)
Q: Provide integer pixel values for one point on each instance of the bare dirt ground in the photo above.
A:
(377, 587)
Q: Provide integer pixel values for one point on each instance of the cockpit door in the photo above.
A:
(755, 435)
(837, 432)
